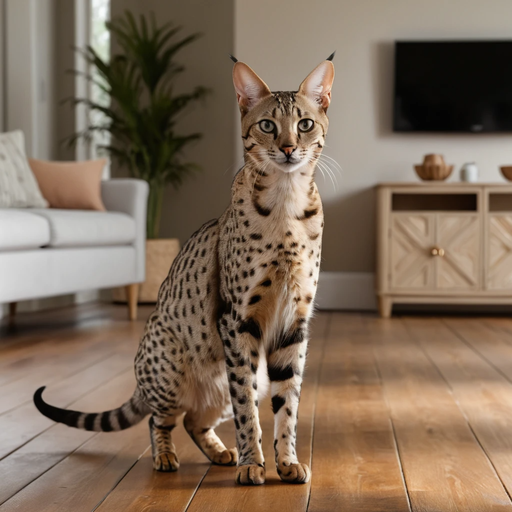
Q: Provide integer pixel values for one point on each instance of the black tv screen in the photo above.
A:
(453, 86)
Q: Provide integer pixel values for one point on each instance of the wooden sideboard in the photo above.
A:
(443, 243)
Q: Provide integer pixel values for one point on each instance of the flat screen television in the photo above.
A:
(453, 86)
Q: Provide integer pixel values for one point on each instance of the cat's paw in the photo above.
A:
(226, 457)
(251, 474)
(294, 473)
(166, 462)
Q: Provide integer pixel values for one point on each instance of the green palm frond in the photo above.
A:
(142, 116)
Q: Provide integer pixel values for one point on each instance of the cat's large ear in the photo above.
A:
(249, 87)
(318, 84)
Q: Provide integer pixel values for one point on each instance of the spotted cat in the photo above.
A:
(233, 312)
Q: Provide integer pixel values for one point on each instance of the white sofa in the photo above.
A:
(48, 252)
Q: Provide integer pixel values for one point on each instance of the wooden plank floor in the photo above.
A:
(406, 414)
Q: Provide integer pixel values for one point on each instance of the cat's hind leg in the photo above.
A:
(200, 426)
(163, 449)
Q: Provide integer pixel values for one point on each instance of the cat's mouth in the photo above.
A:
(288, 166)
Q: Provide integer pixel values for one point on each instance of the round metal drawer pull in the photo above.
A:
(437, 251)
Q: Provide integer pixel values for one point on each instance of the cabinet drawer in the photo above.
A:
(434, 252)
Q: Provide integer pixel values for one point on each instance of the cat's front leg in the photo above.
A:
(285, 367)
(241, 341)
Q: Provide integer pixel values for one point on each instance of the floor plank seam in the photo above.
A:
(477, 352)
(56, 342)
(48, 469)
(459, 406)
(390, 418)
(503, 329)
(59, 379)
(65, 406)
(317, 386)
(399, 457)
(489, 459)
(9, 382)
(45, 333)
(120, 479)
(36, 338)
(197, 488)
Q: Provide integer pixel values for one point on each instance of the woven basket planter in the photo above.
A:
(160, 254)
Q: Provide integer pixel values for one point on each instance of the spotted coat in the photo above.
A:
(233, 313)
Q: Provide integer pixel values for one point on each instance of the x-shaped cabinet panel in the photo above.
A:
(432, 251)
(499, 268)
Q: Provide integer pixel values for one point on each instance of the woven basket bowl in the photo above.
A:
(433, 172)
(433, 159)
(506, 170)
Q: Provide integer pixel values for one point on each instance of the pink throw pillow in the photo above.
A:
(70, 185)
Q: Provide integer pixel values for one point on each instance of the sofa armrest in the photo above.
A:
(130, 196)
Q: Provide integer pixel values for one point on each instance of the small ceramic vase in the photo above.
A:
(469, 172)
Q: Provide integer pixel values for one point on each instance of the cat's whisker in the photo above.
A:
(331, 160)
(322, 171)
(328, 164)
(334, 162)
(239, 164)
(334, 171)
(323, 166)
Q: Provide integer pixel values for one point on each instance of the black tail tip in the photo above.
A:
(38, 395)
(331, 56)
(234, 59)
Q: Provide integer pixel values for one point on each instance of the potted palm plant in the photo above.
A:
(140, 120)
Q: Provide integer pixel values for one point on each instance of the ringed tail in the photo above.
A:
(130, 413)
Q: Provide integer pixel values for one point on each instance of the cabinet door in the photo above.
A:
(458, 236)
(412, 238)
(499, 266)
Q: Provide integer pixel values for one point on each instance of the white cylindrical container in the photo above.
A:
(469, 172)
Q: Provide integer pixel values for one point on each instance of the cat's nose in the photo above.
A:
(287, 150)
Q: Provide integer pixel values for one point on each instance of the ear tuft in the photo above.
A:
(234, 59)
(331, 56)
(249, 87)
(318, 84)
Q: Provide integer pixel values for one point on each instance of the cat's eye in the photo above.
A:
(306, 125)
(267, 126)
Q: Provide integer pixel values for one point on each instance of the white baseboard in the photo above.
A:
(336, 290)
(53, 302)
(346, 290)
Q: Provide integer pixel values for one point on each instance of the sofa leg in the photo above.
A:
(132, 294)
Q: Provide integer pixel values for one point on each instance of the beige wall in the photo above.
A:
(21, 79)
(64, 52)
(205, 195)
(29, 74)
(284, 40)
(45, 73)
(2, 64)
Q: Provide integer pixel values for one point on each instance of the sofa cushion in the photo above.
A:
(21, 230)
(79, 228)
(18, 186)
(70, 185)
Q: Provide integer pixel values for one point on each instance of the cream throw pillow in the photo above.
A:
(18, 187)
(70, 185)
